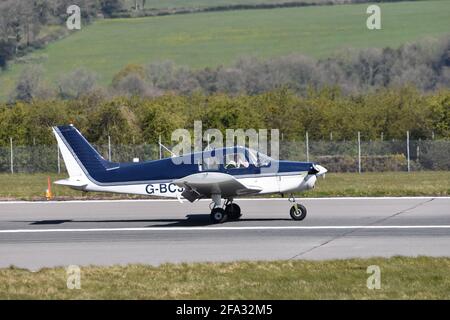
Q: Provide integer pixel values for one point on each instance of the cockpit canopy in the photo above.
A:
(234, 158)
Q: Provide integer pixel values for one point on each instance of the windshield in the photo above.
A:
(259, 159)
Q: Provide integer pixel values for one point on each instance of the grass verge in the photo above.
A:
(401, 278)
(424, 183)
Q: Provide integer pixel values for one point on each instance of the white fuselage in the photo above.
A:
(268, 184)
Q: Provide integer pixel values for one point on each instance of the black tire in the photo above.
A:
(233, 211)
(298, 214)
(218, 215)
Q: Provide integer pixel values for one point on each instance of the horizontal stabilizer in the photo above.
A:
(75, 184)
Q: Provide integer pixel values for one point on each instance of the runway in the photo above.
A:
(46, 234)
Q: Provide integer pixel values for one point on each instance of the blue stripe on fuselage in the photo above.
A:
(101, 171)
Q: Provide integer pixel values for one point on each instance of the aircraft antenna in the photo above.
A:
(167, 149)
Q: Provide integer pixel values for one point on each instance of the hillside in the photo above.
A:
(210, 39)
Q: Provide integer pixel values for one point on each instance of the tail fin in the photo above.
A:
(81, 159)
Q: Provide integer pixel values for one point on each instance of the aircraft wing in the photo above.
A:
(203, 185)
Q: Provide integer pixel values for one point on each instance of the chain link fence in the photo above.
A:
(374, 156)
(336, 156)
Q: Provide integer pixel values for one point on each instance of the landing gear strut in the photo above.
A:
(231, 211)
(298, 211)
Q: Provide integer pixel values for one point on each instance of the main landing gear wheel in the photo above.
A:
(298, 212)
(218, 215)
(233, 211)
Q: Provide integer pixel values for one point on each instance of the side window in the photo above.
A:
(259, 159)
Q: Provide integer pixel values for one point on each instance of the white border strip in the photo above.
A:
(237, 199)
(169, 229)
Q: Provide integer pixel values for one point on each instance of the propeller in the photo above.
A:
(318, 170)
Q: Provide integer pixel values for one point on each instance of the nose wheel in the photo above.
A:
(298, 211)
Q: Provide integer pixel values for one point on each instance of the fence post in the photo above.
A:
(160, 147)
(307, 147)
(12, 154)
(109, 148)
(407, 150)
(59, 161)
(418, 153)
(359, 152)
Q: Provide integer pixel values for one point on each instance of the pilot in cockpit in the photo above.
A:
(236, 161)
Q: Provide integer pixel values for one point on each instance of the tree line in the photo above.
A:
(135, 120)
(424, 64)
(141, 8)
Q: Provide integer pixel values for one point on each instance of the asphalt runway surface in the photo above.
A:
(46, 234)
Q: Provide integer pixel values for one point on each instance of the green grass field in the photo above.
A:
(214, 38)
(33, 186)
(401, 278)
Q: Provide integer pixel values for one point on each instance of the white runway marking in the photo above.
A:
(237, 200)
(224, 228)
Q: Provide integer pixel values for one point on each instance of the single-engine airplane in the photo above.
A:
(240, 171)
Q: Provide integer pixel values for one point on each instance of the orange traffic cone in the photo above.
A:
(48, 192)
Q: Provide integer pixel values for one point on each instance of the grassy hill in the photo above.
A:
(210, 39)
